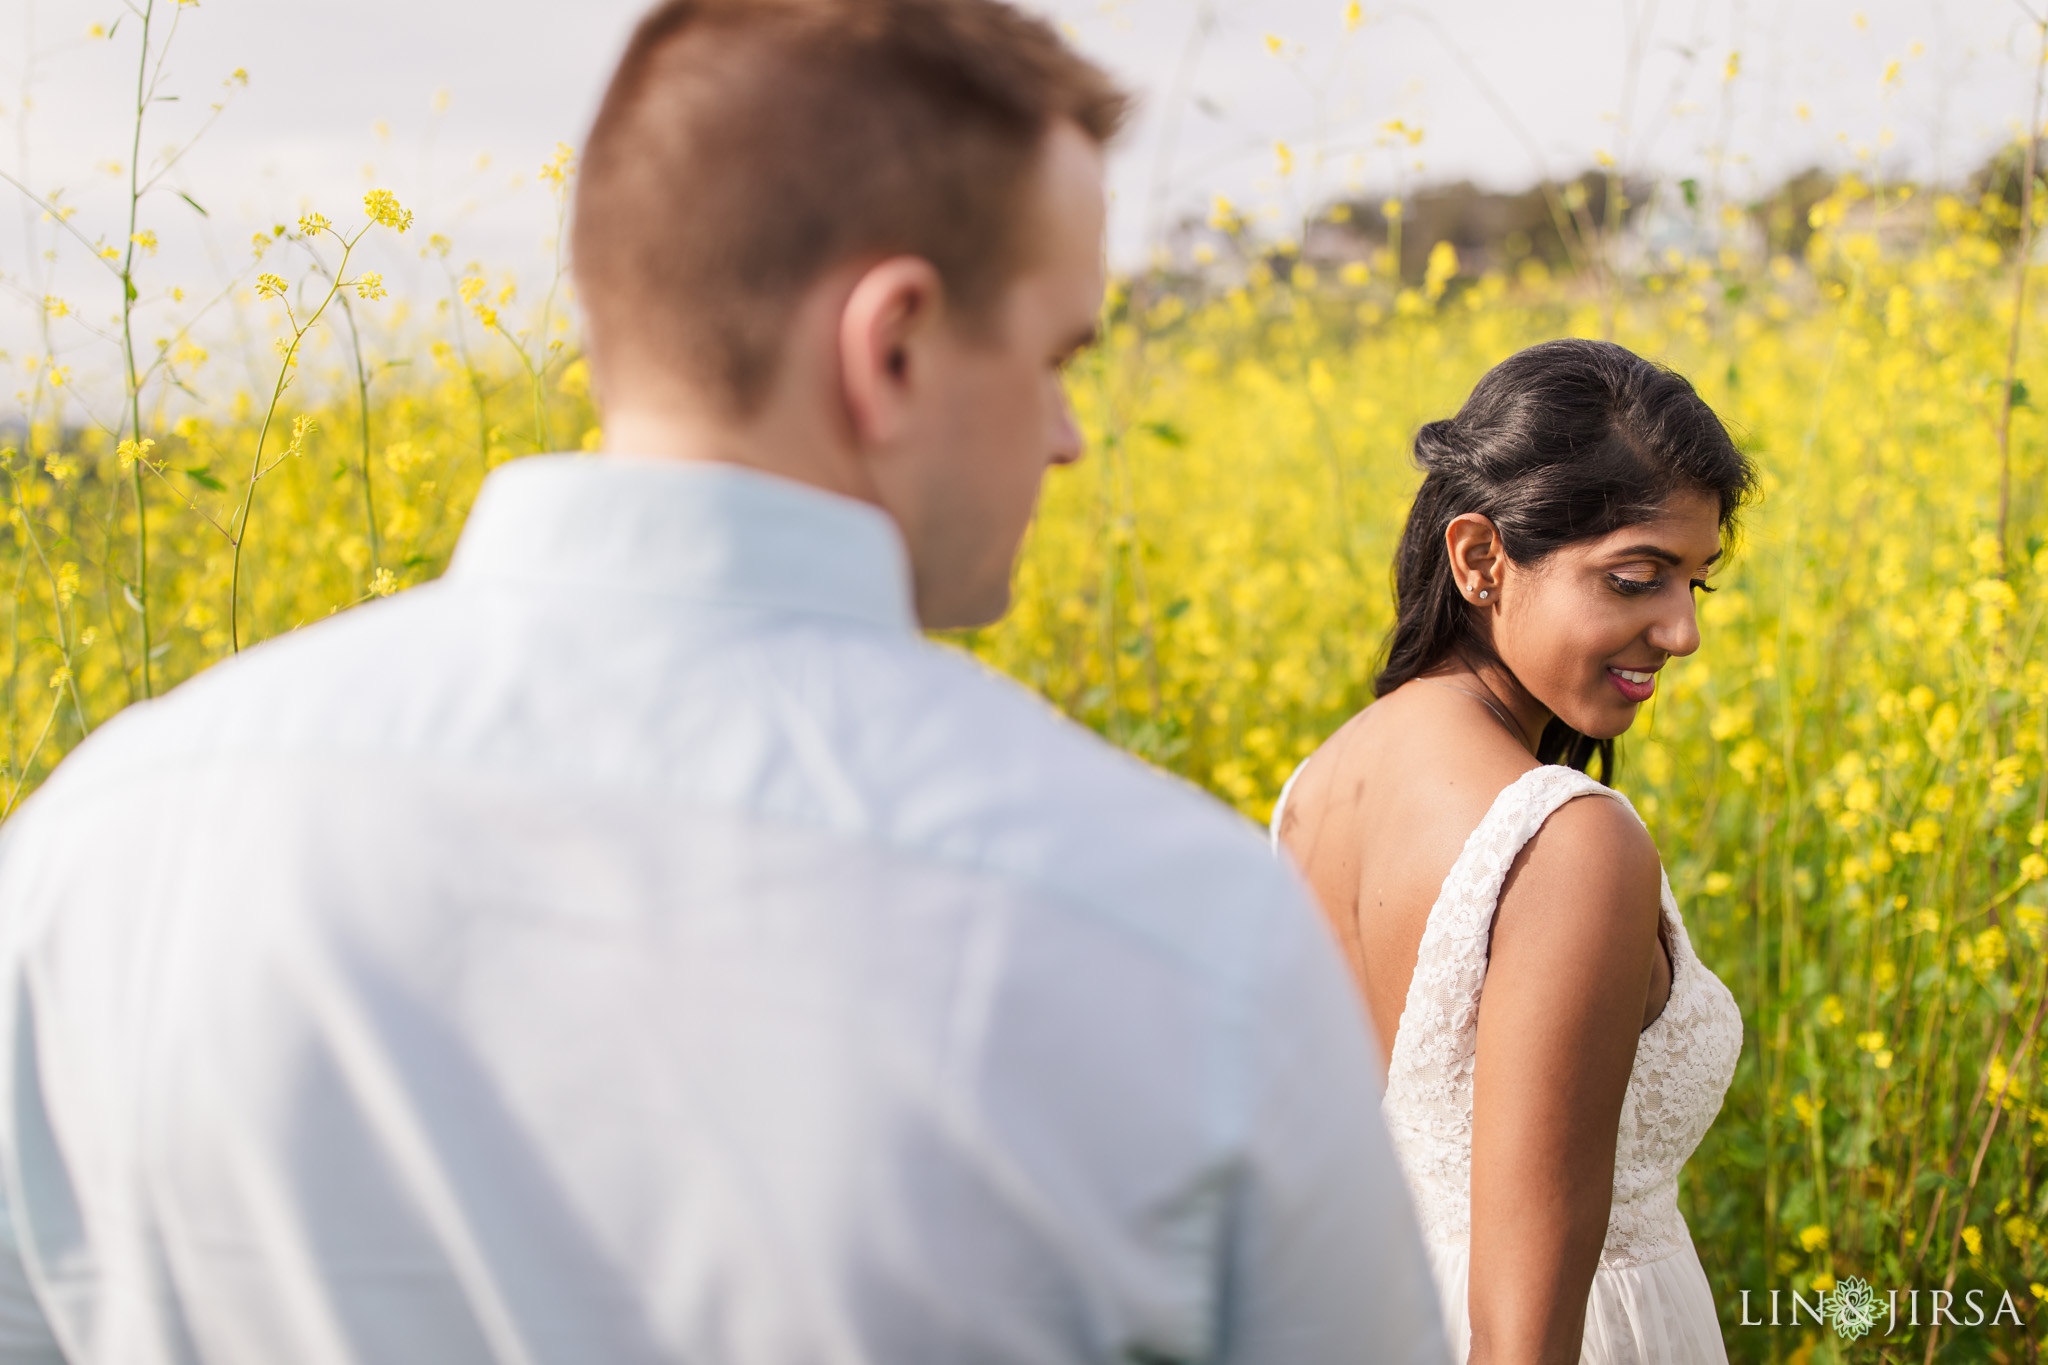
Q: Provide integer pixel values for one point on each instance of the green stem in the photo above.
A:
(240, 522)
(355, 342)
(128, 297)
(2019, 301)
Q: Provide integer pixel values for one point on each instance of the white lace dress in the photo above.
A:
(1650, 1303)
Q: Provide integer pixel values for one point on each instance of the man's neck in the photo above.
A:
(771, 444)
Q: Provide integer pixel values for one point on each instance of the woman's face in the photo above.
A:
(1587, 630)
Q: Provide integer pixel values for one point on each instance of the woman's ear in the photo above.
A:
(1476, 557)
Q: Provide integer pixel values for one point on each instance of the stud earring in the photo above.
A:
(1482, 594)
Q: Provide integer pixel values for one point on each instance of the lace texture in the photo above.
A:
(1683, 1064)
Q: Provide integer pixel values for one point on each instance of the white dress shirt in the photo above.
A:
(641, 945)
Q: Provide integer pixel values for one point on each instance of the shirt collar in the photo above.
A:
(688, 529)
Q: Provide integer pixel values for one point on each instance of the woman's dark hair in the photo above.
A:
(1559, 443)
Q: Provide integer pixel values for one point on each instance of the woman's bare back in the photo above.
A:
(1380, 813)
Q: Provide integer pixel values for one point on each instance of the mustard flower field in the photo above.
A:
(1847, 782)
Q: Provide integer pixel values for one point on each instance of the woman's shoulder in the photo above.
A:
(1408, 759)
(1426, 744)
(1589, 849)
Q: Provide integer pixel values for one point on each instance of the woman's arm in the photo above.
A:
(1570, 970)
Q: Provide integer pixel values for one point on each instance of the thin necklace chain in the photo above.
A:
(1486, 702)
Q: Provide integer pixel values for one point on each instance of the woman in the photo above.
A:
(1557, 1050)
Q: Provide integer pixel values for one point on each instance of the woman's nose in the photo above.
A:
(1677, 632)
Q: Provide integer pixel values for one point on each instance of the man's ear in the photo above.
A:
(1475, 551)
(883, 330)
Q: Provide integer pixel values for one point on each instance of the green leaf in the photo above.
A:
(197, 207)
(2020, 395)
(199, 476)
(1166, 432)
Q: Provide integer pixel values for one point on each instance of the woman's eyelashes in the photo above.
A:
(1639, 587)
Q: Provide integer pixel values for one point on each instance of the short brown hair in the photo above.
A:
(745, 147)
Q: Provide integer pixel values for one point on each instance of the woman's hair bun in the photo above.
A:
(1437, 447)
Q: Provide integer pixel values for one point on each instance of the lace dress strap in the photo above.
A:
(1280, 806)
(1439, 1021)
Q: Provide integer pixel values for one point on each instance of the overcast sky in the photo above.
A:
(342, 96)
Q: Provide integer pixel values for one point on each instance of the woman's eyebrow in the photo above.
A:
(1659, 552)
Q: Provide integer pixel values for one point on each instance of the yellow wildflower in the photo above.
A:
(384, 210)
(558, 168)
(1988, 951)
(1441, 269)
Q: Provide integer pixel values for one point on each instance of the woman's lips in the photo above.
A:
(1635, 685)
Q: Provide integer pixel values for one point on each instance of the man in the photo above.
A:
(640, 945)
